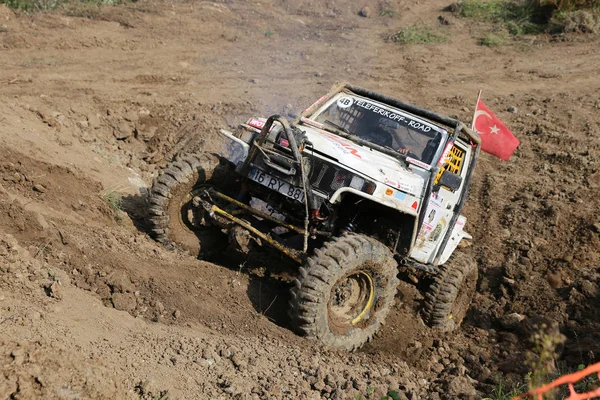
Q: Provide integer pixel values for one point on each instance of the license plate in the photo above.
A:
(276, 184)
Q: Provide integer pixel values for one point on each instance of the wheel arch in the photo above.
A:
(388, 217)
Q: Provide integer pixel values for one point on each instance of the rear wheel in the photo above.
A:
(449, 296)
(344, 292)
(173, 219)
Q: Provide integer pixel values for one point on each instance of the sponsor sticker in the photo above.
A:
(400, 195)
(444, 157)
(315, 104)
(256, 123)
(418, 163)
(311, 122)
(342, 144)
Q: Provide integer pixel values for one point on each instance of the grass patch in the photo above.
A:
(526, 17)
(492, 40)
(115, 203)
(47, 5)
(504, 391)
(517, 17)
(417, 34)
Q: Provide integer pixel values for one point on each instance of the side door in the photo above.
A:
(442, 203)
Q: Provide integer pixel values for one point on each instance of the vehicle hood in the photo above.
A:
(366, 161)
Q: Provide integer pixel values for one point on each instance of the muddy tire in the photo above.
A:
(449, 296)
(172, 219)
(344, 292)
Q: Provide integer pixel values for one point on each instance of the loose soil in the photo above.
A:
(93, 101)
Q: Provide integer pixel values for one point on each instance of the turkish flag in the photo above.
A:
(496, 138)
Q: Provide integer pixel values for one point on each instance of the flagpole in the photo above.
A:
(475, 112)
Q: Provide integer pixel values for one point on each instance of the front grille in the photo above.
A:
(327, 177)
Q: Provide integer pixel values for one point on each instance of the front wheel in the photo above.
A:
(344, 292)
(450, 294)
(173, 219)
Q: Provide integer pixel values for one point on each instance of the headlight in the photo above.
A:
(369, 187)
(339, 179)
(357, 182)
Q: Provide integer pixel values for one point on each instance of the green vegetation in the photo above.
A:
(115, 202)
(44, 5)
(492, 40)
(391, 395)
(545, 368)
(524, 17)
(517, 17)
(387, 13)
(417, 34)
(502, 392)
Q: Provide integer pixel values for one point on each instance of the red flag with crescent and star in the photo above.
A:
(496, 138)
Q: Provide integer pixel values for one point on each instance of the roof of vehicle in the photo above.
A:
(451, 123)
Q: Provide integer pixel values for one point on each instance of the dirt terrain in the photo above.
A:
(94, 100)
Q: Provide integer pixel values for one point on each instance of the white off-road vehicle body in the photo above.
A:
(402, 181)
(358, 184)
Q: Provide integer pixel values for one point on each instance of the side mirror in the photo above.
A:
(450, 181)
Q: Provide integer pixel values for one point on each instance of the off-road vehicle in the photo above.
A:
(357, 185)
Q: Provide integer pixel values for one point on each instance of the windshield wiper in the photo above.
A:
(337, 126)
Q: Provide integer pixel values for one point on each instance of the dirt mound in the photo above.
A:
(94, 100)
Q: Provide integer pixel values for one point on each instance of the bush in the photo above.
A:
(43, 5)
(570, 5)
(523, 17)
(584, 21)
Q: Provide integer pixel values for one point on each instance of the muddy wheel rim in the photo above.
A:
(351, 300)
(190, 217)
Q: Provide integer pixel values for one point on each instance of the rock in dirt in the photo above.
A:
(510, 321)
(596, 227)
(124, 301)
(54, 290)
(122, 131)
(41, 221)
(365, 12)
(461, 387)
(119, 282)
(145, 129)
(554, 279)
(589, 289)
(93, 121)
(39, 188)
(49, 120)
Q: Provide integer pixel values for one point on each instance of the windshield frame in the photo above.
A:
(311, 120)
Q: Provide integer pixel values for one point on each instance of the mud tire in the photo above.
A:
(170, 196)
(449, 296)
(336, 263)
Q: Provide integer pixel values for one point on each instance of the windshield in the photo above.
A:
(382, 125)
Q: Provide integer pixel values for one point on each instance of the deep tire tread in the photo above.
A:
(310, 294)
(198, 167)
(442, 294)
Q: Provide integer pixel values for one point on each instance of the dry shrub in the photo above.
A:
(570, 5)
(585, 21)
